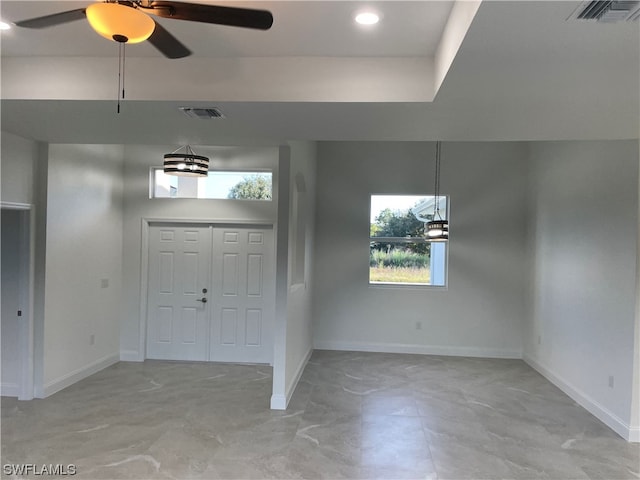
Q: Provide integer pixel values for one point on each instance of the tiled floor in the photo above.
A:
(353, 415)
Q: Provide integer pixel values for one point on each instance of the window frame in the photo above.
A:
(247, 171)
(414, 240)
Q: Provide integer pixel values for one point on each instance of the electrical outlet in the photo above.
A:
(418, 325)
(92, 339)
(104, 283)
(539, 339)
(611, 379)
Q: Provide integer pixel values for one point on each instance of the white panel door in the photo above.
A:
(177, 318)
(243, 295)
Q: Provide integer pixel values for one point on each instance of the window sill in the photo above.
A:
(406, 286)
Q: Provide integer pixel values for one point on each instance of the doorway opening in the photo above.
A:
(16, 262)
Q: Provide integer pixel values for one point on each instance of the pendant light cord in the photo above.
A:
(121, 72)
(187, 149)
(437, 183)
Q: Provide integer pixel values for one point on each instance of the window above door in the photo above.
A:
(218, 184)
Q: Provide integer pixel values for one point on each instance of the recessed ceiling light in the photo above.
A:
(4, 26)
(367, 18)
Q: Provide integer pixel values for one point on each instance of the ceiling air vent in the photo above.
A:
(608, 11)
(202, 113)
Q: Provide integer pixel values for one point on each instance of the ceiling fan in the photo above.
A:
(126, 21)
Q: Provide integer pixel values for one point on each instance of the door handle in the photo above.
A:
(203, 300)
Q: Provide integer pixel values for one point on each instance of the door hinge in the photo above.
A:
(19, 313)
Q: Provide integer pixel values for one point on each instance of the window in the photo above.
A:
(218, 184)
(399, 253)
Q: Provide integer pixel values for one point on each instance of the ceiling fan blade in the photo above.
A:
(232, 16)
(55, 19)
(167, 44)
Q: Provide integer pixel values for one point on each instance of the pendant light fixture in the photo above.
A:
(186, 164)
(438, 227)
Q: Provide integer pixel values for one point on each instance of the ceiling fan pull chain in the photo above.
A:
(124, 46)
(121, 72)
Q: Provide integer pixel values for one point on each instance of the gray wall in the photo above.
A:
(300, 288)
(22, 165)
(83, 248)
(482, 309)
(583, 234)
(17, 167)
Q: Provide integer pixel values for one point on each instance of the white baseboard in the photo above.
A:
(419, 349)
(614, 422)
(130, 356)
(279, 401)
(296, 378)
(70, 378)
(9, 389)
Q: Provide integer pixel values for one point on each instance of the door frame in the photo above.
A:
(144, 261)
(27, 270)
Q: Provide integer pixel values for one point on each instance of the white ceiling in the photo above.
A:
(522, 73)
(300, 28)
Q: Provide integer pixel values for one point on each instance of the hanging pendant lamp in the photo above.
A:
(186, 164)
(438, 228)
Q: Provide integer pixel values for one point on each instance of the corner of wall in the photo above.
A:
(40, 185)
(634, 432)
(278, 399)
(615, 423)
(85, 371)
(130, 356)
(557, 215)
(530, 267)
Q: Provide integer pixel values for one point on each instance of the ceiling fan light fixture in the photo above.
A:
(120, 23)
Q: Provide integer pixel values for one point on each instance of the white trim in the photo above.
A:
(260, 222)
(144, 265)
(279, 381)
(9, 389)
(419, 349)
(28, 253)
(81, 373)
(144, 290)
(130, 356)
(610, 419)
(25, 387)
(16, 206)
(280, 402)
(634, 435)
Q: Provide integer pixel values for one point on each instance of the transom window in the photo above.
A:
(399, 253)
(237, 185)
